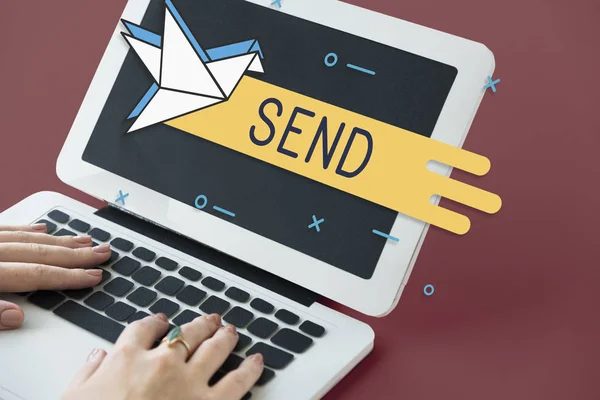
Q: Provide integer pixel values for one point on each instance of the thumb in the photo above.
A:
(11, 315)
(92, 363)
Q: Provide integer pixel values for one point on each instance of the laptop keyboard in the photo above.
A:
(134, 286)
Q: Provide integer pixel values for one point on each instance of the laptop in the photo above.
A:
(185, 92)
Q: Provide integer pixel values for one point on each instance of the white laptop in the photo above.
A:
(199, 227)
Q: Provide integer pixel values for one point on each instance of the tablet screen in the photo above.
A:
(296, 56)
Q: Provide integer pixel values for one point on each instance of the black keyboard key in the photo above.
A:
(243, 342)
(217, 376)
(262, 327)
(118, 286)
(247, 396)
(265, 377)
(191, 274)
(99, 234)
(312, 329)
(185, 317)
(79, 225)
(58, 216)
(46, 299)
(50, 226)
(165, 306)
(105, 276)
(99, 301)
(262, 306)
(120, 311)
(144, 254)
(121, 244)
(113, 256)
(238, 317)
(169, 286)
(214, 305)
(292, 340)
(237, 294)
(78, 294)
(191, 295)
(166, 263)
(273, 357)
(287, 317)
(142, 296)
(65, 232)
(94, 244)
(89, 320)
(137, 316)
(146, 276)
(126, 266)
(213, 284)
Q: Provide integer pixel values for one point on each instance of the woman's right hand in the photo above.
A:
(136, 371)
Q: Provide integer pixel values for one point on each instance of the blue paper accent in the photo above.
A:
(143, 34)
(230, 50)
(187, 31)
(144, 101)
(278, 2)
(316, 223)
(256, 47)
(361, 69)
(224, 211)
(385, 235)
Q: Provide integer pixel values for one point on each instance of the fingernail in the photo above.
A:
(39, 227)
(256, 358)
(94, 272)
(11, 318)
(92, 354)
(161, 316)
(103, 248)
(82, 239)
(231, 329)
(216, 318)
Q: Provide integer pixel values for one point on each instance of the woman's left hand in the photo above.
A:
(32, 260)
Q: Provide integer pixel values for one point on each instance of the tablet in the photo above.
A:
(343, 247)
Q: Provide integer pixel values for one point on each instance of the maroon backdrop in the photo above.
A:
(515, 309)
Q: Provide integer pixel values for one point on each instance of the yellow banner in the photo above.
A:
(350, 152)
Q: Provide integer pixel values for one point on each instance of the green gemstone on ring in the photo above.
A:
(174, 334)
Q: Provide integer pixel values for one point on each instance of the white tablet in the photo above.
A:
(125, 141)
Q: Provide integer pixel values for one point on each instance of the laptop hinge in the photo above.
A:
(208, 254)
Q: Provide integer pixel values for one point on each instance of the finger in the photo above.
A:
(11, 315)
(20, 277)
(194, 333)
(92, 363)
(54, 255)
(238, 382)
(24, 228)
(213, 352)
(73, 242)
(144, 332)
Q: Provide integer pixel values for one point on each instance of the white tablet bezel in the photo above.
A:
(376, 296)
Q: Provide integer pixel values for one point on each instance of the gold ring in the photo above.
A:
(174, 337)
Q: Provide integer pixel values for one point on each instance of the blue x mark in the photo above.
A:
(491, 84)
(121, 197)
(316, 223)
(278, 2)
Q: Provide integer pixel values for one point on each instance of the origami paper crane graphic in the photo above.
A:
(187, 77)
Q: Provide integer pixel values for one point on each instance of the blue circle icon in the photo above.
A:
(204, 202)
(428, 290)
(331, 63)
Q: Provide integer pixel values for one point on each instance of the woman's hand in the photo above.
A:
(135, 371)
(32, 260)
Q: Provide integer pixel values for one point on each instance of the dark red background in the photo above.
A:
(515, 310)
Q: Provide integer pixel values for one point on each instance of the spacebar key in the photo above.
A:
(90, 320)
